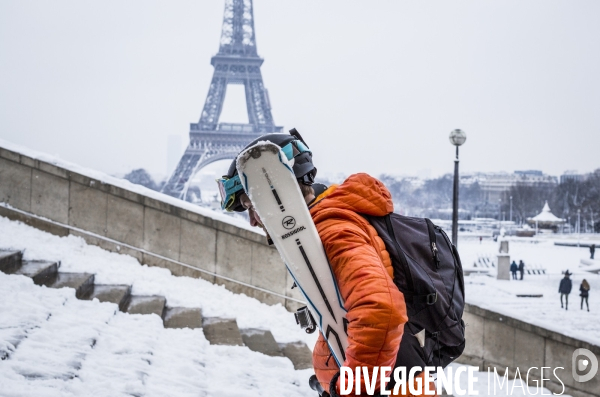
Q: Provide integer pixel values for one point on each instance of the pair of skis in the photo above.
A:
(269, 181)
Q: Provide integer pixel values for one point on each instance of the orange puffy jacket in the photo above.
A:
(363, 270)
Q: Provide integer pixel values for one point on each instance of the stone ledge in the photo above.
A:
(50, 168)
(131, 196)
(125, 194)
(518, 324)
(9, 155)
(40, 224)
(29, 162)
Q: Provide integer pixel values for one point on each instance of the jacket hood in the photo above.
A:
(359, 193)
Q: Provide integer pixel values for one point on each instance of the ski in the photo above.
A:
(270, 183)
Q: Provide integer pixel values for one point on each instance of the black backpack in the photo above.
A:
(428, 271)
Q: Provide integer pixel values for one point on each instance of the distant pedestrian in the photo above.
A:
(592, 250)
(584, 289)
(565, 289)
(480, 238)
(521, 268)
(513, 269)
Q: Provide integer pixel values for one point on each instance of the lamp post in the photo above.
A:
(511, 208)
(457, 138)
(578, 226)
(499, 214)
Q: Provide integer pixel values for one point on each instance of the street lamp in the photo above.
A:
(499, 214)
(511, 208)
(457, 138)
(578, 226)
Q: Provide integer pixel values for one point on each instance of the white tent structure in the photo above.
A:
(546, 219)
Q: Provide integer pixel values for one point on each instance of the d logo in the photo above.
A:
(288, 222)
(581, 364)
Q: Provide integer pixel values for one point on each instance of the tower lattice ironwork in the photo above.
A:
(237, 62)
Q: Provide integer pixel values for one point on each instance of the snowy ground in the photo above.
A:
(81, 348)
(500, 295)
(67, 347)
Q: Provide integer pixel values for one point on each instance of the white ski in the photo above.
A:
(271, 185)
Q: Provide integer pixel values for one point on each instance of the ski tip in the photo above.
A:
(255, 151)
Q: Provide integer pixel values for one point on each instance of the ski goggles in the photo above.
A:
(229, 188)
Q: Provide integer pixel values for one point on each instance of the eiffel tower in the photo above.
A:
(237, 62)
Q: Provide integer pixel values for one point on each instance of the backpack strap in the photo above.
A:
(401, 255)
(429, 299)
(433, 242)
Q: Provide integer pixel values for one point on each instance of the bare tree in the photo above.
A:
(527, 200)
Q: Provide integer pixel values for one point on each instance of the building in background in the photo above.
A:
(494, 184)
(573, 176)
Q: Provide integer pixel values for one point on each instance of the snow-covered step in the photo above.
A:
(222, 331)
(298, 353)
(183, 317)
(83, 283)
(260, 340)
(152, 304)
(10, 260)
(117, 294)
(46, 334)
(42, 272)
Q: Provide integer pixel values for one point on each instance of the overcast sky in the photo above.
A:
(373, 86)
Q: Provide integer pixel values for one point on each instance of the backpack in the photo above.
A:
(428, 271)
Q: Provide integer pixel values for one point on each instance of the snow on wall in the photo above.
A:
(124, 184)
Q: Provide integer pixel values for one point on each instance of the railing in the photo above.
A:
(236, 127)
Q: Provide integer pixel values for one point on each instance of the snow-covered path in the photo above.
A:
(501, 295)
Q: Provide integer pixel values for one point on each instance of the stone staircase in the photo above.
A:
(218, 331)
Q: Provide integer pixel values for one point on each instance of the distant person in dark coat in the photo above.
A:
(521, 268)
(592, 250)
(584, 289)
(513, 269)
(565, 289)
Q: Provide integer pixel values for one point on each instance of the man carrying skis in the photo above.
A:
(376, 310)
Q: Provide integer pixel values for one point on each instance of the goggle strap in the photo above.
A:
(228, 189)
(294, 148)
(288, 151)
(233, 185)
(302, 147)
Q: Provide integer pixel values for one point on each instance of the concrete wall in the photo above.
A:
(498, 341)
(155, 232)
